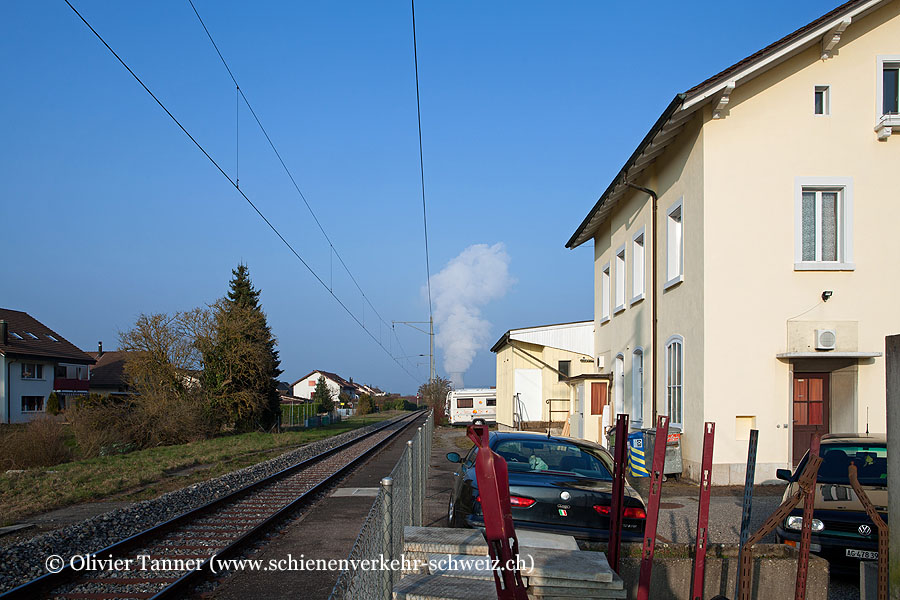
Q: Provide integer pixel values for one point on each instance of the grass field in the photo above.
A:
(148, 473)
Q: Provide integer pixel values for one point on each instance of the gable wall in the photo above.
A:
(769, 137)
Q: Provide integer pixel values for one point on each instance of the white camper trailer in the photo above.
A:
(472, 405)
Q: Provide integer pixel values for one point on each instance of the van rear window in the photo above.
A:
(464, 403)
(870, 460)
(492, 402)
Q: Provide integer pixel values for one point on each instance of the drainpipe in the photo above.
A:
(654, 291)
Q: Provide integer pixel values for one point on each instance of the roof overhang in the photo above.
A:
(717, 91)
(827, 354)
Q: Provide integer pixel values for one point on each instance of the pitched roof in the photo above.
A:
(109, 371)
(329, 375)
(28, 337)
(573, 337)
(666, 129)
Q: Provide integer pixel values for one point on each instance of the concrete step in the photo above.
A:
(446, 540)
(540, 566)
(442, 587)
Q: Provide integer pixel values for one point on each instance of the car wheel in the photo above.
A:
(478, 422)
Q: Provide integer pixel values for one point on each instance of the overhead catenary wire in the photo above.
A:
(234, 184)
(283, 163)
(422, 176)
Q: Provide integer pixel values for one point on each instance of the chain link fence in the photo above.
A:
(400, 502)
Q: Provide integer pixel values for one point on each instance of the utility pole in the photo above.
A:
(431, 346)
(430, 334)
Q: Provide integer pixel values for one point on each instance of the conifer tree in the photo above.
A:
(241, 364)
(323, 396)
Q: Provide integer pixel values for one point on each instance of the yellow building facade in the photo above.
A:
(775, 274)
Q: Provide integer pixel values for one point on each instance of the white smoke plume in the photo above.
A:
(477, 276)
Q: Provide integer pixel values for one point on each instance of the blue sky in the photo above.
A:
(528, 110)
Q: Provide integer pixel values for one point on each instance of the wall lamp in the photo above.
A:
(826, 295)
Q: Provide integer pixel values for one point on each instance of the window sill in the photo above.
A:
(604, 320)
(637, 299)
(887, 125)
(674, 281)
(619, 309)
(824, 266)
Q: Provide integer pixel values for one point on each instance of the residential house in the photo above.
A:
(534, 365)
(34, 362)
(108, 372)
(742, 263)
(305, 386)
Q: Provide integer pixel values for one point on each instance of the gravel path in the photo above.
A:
(24, 561)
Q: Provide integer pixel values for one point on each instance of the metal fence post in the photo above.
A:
(418, 504)
(410, 467)
(892, 400)
(387, 531)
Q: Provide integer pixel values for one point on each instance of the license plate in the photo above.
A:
(863, 554)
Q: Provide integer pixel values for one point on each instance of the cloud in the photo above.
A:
(479, 275)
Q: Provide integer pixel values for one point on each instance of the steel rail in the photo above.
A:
(40, 585)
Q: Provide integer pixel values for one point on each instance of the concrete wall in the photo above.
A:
(774, 572)
(755, 303)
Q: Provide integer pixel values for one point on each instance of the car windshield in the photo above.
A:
(538, 456)
(870, 460)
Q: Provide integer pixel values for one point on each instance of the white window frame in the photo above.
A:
(39, 410)
(638, 257)
(620, 279)
(678, 386)
(619, 384)
(826, 100)
(637, 388)
(674, 247)
(884, 124)
(36, 366)
(604, 294)
(845, 226)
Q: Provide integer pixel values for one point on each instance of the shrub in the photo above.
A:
(100, 424)
(365, 405)
(53, 404)
(40, 443)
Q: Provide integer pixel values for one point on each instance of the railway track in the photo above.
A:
(166, 560)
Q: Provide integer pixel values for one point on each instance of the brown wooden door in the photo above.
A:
(598, 397)
(810, 403)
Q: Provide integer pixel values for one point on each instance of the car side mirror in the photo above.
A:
(454, 457)
(783, 474)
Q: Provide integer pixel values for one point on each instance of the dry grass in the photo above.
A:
(148, 473)
(40, 443)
